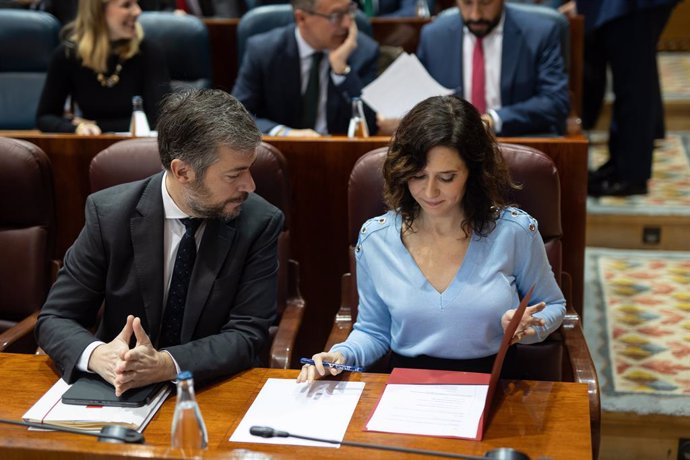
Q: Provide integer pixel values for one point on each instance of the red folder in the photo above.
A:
(434, 377)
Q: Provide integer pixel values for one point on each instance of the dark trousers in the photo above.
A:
(628, 45)
(482, 365)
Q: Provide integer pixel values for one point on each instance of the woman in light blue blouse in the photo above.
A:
(439, 275)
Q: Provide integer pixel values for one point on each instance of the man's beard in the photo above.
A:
(490, 25)
(196, 201)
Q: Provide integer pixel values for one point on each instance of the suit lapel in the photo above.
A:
(147, 241)
(213, 252)
(512, 50)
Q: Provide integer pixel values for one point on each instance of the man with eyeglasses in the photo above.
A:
(299, 80)
(506, 61)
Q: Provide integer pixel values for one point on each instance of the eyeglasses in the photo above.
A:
(336, 17)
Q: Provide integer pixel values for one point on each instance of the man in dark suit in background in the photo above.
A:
(167, 309)
(622, 35)
(524, 79)
(299, 79)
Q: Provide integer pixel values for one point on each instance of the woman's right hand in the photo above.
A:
(310, 372)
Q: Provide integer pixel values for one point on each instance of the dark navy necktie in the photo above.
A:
(310, 98)
(179, 285)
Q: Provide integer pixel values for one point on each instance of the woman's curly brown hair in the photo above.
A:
(448, 121)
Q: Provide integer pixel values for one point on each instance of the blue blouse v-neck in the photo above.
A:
(400, 310)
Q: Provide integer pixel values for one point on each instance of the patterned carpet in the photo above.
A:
(669, 188)
(637, 325)
(674, 69)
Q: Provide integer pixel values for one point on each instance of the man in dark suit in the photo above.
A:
(526, 87)
(127, 259)
(323, 52)
(622, 35)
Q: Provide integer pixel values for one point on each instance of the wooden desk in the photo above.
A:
(319, 173)
(541, 419)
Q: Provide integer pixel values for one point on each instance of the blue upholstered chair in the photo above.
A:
(28, 39)
(264, 18)
(184, 39)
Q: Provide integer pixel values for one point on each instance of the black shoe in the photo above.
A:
(616, 188)
(607, 171)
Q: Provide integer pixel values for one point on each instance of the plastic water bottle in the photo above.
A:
(188, 428)
(422, 9)
(358, 124)
(138, 125)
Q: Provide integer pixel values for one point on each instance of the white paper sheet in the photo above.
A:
(400, 87)
(322, 409)
(431, 410)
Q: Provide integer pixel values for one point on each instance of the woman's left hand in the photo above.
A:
(527, 322)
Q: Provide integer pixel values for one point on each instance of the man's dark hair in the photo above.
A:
(194, 123)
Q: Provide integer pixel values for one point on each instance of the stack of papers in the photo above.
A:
(50, 409)
(404, 84)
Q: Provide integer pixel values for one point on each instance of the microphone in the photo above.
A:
(109, 433)
(502, 453)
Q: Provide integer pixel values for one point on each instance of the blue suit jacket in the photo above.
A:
(598, 12)
(534, 85)
(269, 81)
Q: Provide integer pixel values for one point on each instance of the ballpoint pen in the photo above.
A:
(342, 367)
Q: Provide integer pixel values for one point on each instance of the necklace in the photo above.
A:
(112, 80)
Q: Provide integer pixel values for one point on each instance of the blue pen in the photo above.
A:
(342, 367)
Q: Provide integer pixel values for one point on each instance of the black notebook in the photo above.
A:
(92, 390)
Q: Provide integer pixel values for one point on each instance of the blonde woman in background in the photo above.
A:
(101, 64)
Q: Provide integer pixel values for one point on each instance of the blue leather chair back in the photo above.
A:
(28, 39)
(264, 18)
(184, 39)
(543, 11)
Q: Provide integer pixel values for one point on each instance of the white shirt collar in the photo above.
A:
(171, 210)
(305, 50)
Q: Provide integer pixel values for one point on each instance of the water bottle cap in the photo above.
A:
(184, 375)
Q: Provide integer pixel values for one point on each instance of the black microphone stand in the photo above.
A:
(109, 433)
(502, 454)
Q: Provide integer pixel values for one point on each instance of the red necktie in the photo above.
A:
(478, 77)
(181, 5)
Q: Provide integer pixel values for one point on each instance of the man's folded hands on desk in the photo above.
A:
(126, 367)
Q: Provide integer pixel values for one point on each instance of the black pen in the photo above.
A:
(342, 367)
